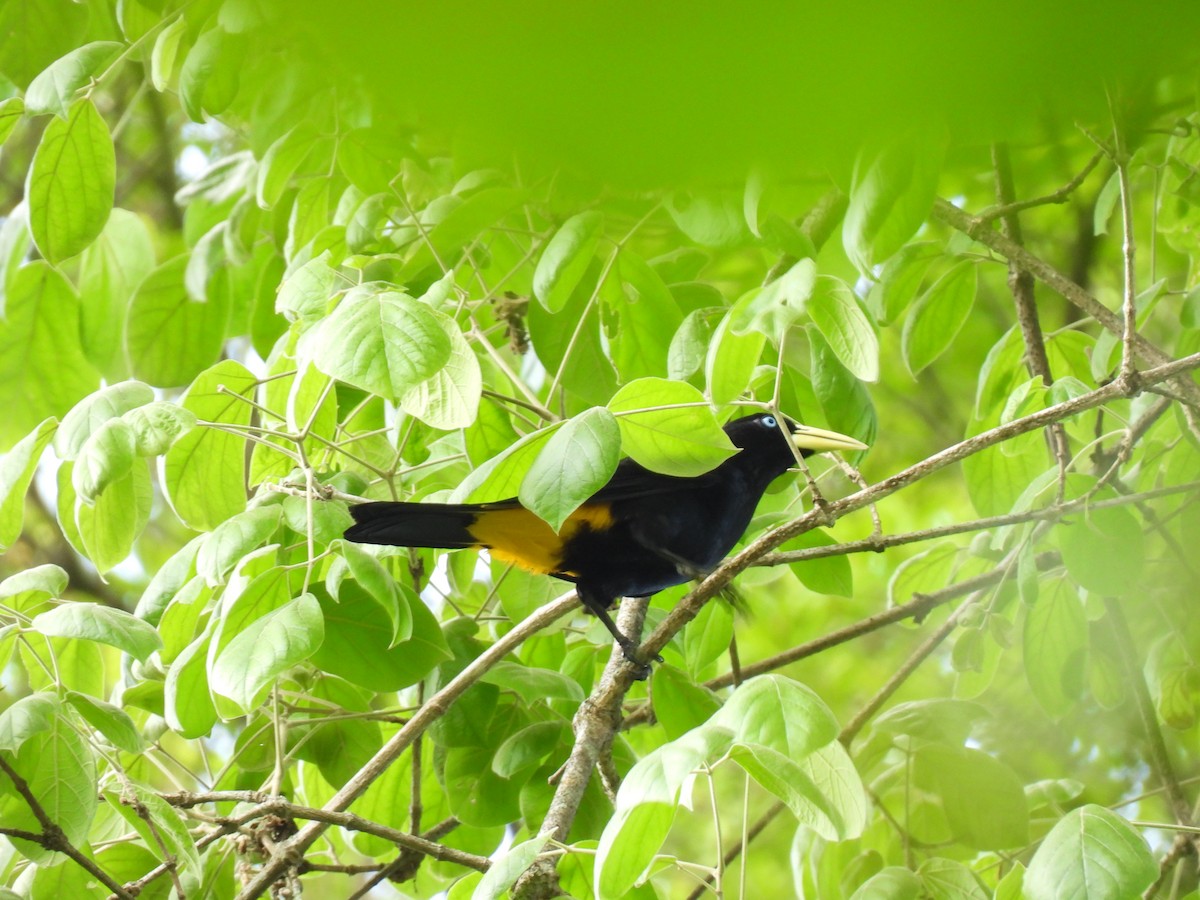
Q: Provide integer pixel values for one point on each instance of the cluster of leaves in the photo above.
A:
(335, 309)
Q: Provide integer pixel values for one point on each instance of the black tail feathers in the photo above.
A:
(413, 524)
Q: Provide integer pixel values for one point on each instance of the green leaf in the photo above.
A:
(565, 259)
(689, 346)
(108, 527)
(946, 879)
(450, 397)
(710, 219)
(893, 883)
(208, 81)
(646, 315)
(837, 314)
(730, 362)
(1090, 854)
(890, 197)
(708, 636)
(381, 341)
(16, 471)
(372, 158)
(34, 584)
(204, 471)
(784, 778)
(53, 91)
(170, 338)
(96, 410)
(71, 183)
(532, 684)
(106, 456)
(42, 370)
(683, 440)
(233, 539)
(628, 845)
(938, 316)
(189, 708)
(162, 830)
(165, 53)
(982, 798)
(60, 772)
(266, 648)
(25, 718)
(824, 575)
(577, 461)
(11, 112)
(507, 869)
(376, 581)
(844, 400)
(109, 720)
(109, 272)
(501, 476)
(679, 703)
(773, 308)
(158, 425)
(780, 714)
(306, 292)
(279, 164)
(96, 622)
(1056, 647)
(899, 280)
(1103, 550)
(359, 646)
(464, 223)
(526, 749)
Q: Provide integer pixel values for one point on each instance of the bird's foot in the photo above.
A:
(629, 649)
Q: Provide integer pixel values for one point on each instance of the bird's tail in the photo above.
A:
(413, 524)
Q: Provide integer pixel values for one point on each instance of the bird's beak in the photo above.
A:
(819, 440)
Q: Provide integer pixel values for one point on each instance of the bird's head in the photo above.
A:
(770, 434)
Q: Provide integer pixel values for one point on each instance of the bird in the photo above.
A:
(640, 533)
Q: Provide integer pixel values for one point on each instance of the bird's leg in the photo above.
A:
(629, 647)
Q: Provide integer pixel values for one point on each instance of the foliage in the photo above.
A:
(241, 292)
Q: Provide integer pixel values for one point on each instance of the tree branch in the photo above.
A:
(53, 838)
(291, 851)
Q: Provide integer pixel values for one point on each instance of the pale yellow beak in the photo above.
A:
(819, 440)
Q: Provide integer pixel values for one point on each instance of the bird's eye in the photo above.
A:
(769, 421)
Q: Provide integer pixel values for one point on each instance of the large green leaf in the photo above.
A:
(890, 197)
(1055, 646)
(1103, 550)
(94, 411)
(59, 770)
(845, 327)
(667, 427)
(16, 471)
(937, 317)
(731, 360)
(204, 471)
(647, 316)
(577, 461)
(450, 397)
(71, 183)
(381, 341)
(53, 91)
(42, 369)
(266, 648)
(1090, 854)
(565, 259)
(170, 338)
(359, 646)
(97, 622)
(109, 272)
(982, 798)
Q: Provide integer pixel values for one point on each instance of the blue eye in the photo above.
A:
(769, 421)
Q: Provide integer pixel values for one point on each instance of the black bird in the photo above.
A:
(640, 533)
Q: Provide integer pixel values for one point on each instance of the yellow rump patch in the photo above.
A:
(519, 537)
